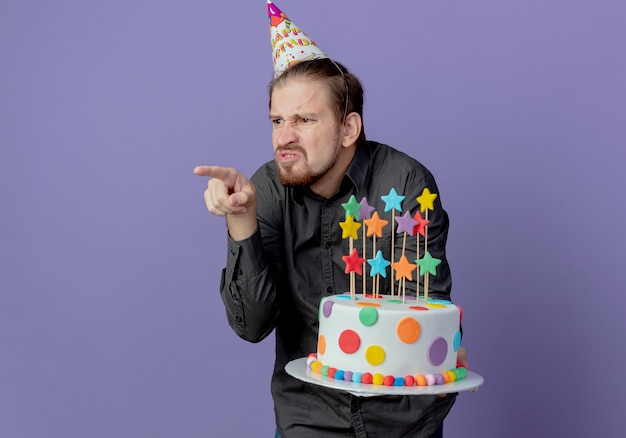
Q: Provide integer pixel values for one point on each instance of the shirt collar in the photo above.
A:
(359, 167)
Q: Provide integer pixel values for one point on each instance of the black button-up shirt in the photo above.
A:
(276, 278)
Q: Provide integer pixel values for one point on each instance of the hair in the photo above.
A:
(344, 89)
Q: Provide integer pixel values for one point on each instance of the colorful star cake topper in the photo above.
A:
(426, 200)
(289, 44)
(420, 228)
(428, 264)
(366, 210)
(375, 225)
(401, 269)
(392, 201)
(354, 263)
(379, 265)
(352, 207)
(404, 269)
(349, 228)
(406, 224)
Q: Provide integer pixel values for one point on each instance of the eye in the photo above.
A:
(305, 120)
(277, 122)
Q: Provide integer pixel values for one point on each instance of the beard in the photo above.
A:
(291, 176)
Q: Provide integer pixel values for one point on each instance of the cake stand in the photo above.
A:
(298, 369)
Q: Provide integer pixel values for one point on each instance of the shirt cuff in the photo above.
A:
(245, 257)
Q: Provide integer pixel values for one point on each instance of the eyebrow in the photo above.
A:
(296, 116)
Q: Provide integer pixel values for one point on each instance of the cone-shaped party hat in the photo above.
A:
(289, 44)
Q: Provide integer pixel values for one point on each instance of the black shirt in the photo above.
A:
(276, 278)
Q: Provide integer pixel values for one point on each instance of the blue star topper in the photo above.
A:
(379, 265)
(393, 201)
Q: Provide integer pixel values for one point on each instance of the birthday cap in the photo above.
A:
(289, 44)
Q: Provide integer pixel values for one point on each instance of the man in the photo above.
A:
(285, 245)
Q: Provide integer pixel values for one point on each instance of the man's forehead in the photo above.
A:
(300, 95)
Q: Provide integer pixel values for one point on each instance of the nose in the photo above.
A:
(285, 135)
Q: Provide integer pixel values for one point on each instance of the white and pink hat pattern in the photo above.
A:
(289, 44)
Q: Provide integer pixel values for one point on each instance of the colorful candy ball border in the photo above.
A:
(379, 379)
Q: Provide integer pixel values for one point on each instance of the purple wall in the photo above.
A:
(110, 318)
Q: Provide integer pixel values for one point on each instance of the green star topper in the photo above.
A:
(428, 264)
(352, 207)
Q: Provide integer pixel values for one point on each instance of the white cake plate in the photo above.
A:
(298, 369)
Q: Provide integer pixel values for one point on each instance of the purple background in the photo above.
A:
(110, 318)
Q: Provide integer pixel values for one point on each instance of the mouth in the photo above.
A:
(288, 155)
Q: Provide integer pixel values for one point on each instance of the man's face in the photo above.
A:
(305, 132)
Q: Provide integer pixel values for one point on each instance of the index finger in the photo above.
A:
(221, 173)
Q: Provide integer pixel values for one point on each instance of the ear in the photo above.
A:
(351, 129)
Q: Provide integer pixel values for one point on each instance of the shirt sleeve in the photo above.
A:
(248, 290)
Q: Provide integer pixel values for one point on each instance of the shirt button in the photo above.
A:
(238, 318)
(327, 245)
(329, 289)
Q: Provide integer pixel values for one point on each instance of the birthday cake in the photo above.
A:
(392, 340)
(388, 340)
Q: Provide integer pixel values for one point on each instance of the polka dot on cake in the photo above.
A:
(375, 355)
(437, 351)
(327, 308)
(349, 341)
(367, 303)
(418, 308)
(373, 296)
(408, 330)
(457, 341)
(368, 316)
(321, 344)
(436, 305)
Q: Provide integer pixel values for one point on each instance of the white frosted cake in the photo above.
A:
(388, 341)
